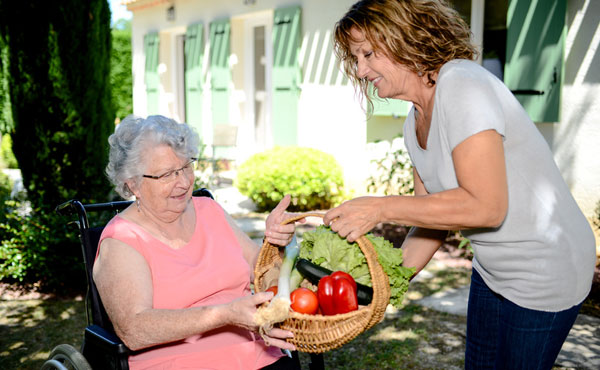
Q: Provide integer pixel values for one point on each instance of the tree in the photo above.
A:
(58, 63)
(120, 74)
(55, 69)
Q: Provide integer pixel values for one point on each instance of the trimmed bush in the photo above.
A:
(314, 179)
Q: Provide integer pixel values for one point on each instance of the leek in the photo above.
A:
(279, 308)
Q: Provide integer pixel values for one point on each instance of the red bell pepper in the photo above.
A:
(344, 275)
(337, 293)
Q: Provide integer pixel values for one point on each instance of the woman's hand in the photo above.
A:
(355, 217)
(241, 313)
(278, 234)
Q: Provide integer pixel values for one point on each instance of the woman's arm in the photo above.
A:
(481, 199)
(420, 244)
(124, 282)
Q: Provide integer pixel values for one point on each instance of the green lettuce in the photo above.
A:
(326, 248)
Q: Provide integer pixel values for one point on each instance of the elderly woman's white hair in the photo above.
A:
(134, 136)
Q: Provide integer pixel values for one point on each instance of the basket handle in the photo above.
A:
(379, 279)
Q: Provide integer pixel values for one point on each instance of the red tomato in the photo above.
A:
(304, 301)
(272, 289)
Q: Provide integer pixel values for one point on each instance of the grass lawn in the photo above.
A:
(31, 328)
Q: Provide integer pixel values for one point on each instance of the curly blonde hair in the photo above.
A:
(420, 34)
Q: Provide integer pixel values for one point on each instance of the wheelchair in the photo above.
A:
(102, 348)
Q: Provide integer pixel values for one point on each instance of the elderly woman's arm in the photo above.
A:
(125, 284)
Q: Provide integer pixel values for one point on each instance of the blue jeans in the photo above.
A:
(502, 335)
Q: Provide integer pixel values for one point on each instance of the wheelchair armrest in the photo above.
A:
(100, 337)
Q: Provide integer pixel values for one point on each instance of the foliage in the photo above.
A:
(39, 248)
(314, 179)
(7, 158)
(121, 78)
(56, 64)
(57, 75)
(5, 109)
(393, 174)
(465, 243)
(5, 186)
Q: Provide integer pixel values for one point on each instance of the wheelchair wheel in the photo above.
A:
(64, 356)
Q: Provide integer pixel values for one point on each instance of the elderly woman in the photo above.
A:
(480, 166)
(173, 270)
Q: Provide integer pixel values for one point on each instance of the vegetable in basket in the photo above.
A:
(327, 249)
(314, 273)
(289, 278)
(304, 301)
(337, 293)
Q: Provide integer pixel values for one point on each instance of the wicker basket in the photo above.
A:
(319, 333)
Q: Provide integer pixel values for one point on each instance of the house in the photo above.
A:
(266, 67)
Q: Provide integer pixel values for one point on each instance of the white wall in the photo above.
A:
(575, 140)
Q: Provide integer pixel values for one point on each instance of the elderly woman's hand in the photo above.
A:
(241, 313)
(276, 233)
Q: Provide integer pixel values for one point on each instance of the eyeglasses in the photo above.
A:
(170, 176)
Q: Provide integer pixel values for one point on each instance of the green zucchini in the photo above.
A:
(314, 273)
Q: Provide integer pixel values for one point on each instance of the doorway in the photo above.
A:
(257, 83)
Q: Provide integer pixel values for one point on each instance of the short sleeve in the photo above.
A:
(468, 98)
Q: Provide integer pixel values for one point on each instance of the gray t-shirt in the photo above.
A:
(542, 256)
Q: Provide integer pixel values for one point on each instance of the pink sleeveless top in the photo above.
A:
(209, 270)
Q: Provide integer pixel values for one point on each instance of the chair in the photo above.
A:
(102, 348)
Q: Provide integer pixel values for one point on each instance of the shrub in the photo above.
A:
(393, 173)
(38, 248)
(314, 179)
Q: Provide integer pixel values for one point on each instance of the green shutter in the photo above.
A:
(194, 52)
(151, 78)
(219, 70)
(534, 55)
(286, 75)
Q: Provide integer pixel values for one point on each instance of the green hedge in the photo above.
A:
(314, 179)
